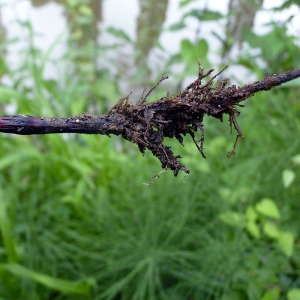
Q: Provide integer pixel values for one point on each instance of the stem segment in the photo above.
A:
(85, 123)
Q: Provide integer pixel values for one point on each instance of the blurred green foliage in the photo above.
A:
(76, 221)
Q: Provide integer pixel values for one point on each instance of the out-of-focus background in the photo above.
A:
(77, 220)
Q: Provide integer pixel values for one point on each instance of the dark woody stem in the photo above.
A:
(85, 123)
(265, 84)
(147, 124)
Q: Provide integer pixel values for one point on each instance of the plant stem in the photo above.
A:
(85, 123)
(146, 124)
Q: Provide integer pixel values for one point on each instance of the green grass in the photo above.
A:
(74, 208)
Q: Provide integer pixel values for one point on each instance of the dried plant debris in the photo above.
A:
(147, 124)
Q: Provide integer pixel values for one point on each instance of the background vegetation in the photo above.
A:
(76, 221)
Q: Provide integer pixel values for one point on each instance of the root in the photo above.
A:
(240, 135)
(147, 124)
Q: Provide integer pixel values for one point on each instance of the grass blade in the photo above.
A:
(65, 286)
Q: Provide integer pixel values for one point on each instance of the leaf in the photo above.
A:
(119, 33)
(204, 15)
(286, 4)
(271, 294)
(296, 159)
(177, 26)
(270, 229)
(293, 294)
(286, 242)
(268, 208)
(288, 176)
(201, 48)
(185, 2)
(210, 15)
(192, 52)
(251, 214)
(232, 218)
(253, 229)
(186, 48)
(270, 44)
(65, 286)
